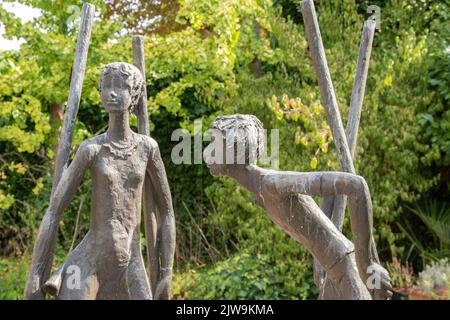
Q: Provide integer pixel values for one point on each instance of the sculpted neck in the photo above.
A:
(119, 126)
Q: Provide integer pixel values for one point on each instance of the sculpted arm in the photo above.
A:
(332, 184)
(43, 251)
(325, 184)
(157, 173)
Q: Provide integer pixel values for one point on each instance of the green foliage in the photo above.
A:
(13, 274)
(435, 119)
(37, 77)
(437, 218)
(313, 130)
(402, 276)
(245, 276)
(202, 56)
(411, 44)
(430, 240)
(32, 80)
(434, 280)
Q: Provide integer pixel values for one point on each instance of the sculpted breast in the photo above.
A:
(106, 172)
(134, 179)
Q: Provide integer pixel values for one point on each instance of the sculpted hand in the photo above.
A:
(378, 282)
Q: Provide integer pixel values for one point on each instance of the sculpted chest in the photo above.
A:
(125, 172)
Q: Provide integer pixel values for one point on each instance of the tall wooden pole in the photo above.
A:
(328, 96)
(334, 207)
(76, 86)
(150, 210)
(139, 62)
(359, 84)
(41, 270)
(354, 113)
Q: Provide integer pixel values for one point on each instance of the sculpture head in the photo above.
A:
(121, 85)
(242, 137)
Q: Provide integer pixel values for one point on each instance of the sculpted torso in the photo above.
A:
(116, 187)
(110, 256)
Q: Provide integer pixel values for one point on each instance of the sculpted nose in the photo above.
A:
(113, 94)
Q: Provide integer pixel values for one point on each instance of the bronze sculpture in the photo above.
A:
(109, 258)
(287, 199)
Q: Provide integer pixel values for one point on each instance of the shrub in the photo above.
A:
(13, 274)
(245, 276)
(434, 280)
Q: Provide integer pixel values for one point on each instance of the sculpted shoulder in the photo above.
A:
(89, 148)
(150, 143)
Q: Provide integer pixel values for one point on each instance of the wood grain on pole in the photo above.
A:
(327, 93)
(359, 84)
(329, 101)
(76, 86)
(139, 62)
(149, 202)
(356, 102)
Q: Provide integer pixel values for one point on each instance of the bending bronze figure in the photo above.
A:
(238, 140)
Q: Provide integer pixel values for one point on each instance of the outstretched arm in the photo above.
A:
(333, 184)
(44, 248)
(166, 227)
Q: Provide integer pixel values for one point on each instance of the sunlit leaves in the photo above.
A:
(23, 123)
(312, 130)
(6, 200)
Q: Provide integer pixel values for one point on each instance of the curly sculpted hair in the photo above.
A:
(132, 76)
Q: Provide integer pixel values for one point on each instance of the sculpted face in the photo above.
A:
(115, 93)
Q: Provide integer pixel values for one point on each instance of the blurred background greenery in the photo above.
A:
(210, 57)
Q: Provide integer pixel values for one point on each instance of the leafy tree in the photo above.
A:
(144, 17)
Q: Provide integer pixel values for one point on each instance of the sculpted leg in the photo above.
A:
(328, 289)
(360, 205)
(76, 279)
(330, 207)
(138, 282)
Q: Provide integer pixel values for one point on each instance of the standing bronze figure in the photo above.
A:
(108, 263)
